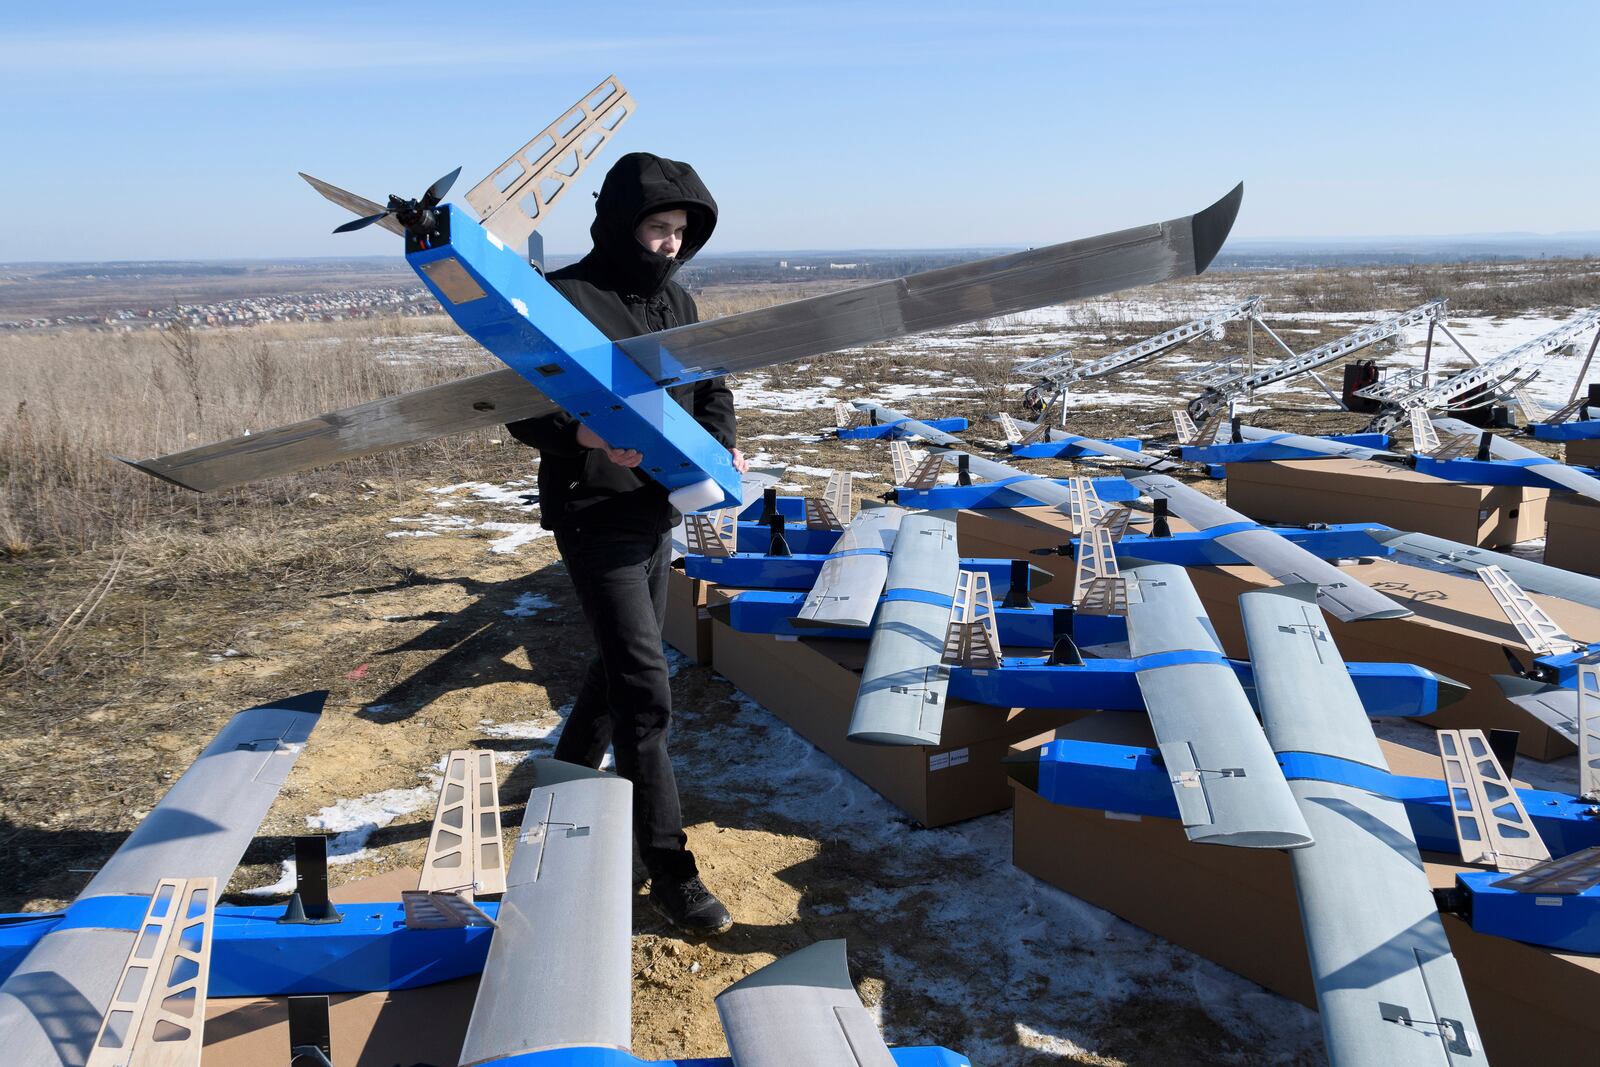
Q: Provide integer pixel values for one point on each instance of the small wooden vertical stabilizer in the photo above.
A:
(1083, 504)
(514, 200)
(1539, 632)
(1188, 432)
(465, 854)
(973, 637)
(157, 1013)
(1491, 825)
(1098, 587)
(1424, 438)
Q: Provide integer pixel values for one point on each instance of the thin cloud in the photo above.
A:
(243, 54)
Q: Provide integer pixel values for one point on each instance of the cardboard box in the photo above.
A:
(1347, 490)
(811, 685)
(1238, 907)
(688, 625)
(425, 1025)
(1457, 630)
(1572, 535)
(1582, 453)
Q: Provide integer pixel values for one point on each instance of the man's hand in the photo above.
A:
(740, 464)
(622, 457)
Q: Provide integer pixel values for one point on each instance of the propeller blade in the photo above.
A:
(437, 190)
(356, 224)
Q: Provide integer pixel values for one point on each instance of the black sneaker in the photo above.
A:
(689, 906)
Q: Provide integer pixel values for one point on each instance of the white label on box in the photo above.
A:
(1547, 902)
(703, 614)
(953, 758)
(1483, 514)
(1123, 816)
(785, 637)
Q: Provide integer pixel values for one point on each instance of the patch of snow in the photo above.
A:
(528, 605)
(1076, 961)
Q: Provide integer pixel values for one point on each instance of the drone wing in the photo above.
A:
(765, 337)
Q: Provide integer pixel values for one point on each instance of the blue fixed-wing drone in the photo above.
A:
(556, 359)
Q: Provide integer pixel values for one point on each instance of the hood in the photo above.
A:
(641, 184)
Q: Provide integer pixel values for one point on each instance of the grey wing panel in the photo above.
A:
(915, 426)
(1586, 485)
(801, 1011)
(1374, 936)
(1553, 705)
(1557, 473)
(466, 404)
(51, 1005)
(1344, 597)
(903, 685)
(1532, 576)
(1042, 490)
(203, 824)
(1227, 782)
(1372, 927)
(934, 299)
(559, 971)
(1293, 655)
(1347, 598)
(1316, 444)
(847, 588)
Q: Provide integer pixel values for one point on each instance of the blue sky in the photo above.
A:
(172, 130)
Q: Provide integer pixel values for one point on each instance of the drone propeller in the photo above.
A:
(409, 212)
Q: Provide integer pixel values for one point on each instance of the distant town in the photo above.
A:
(131, 295)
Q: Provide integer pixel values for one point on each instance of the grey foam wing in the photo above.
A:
(1043, 490)
(1320, 445)
(465, 404)
(559, 971)
(801, 1011)
(1531, 575)
(1586, 485)
(203, 824)
(935, 299)
(1553, 705)
(1376, 943)
(903, 685)
(1227, 782)
(760, 338)
(1343, 596)
(852, 578)
(52, 1004)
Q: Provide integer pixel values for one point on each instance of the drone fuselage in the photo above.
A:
(504, 304)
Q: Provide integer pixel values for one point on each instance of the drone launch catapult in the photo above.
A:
(557, 360)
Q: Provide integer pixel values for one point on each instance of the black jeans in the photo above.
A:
(625, 701)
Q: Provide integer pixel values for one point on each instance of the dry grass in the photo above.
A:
(72, 401)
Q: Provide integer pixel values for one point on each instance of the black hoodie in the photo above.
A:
(627, 290)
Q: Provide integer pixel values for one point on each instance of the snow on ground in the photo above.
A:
(1014, 932)
(519, 495)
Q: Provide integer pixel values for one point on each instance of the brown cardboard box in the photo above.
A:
(1457, 630)
(811, 685)
(1582, 453)
(688, 626)
(1238, 908)
(1572, 534)
(367, 1029)
(1348, 490)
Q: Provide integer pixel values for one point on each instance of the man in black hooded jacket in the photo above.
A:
(613, 523)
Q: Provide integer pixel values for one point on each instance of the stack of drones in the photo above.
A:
(1273, 751)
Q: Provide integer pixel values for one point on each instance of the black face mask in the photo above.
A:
(639, 185)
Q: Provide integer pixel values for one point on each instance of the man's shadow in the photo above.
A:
(475, 644)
